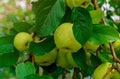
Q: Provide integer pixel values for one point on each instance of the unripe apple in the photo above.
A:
(64, 38)
(22, 40)
(78, 3)
(46, 59)
(101, 71)
(71, 60)
(62, 60)
(90, 46)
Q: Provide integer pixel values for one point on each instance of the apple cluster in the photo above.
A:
(66, 44)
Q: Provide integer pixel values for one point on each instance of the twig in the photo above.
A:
(76, 70)
(113, 53)
(110, 44)
(117, 67)
(95, 4)
(108, 71)
(32, 58)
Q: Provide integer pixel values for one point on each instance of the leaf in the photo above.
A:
(22, 26)
(96, 16)
(24, 69)
(6, 44)
(82, 27)
(80, 58)
(8, 59)
(43, 47)
(37, 77)
(103, 34)
(49, 14)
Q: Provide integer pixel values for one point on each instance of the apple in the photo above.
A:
(78, 3)
(62, 60)
(71, 60)
(115, 74)
(101, 70)
(64, 38)
(46, 59)
(22, 41)
(90, 46)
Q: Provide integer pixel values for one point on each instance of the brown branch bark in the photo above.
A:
(95, 3)
(76, 70)
(113, 53)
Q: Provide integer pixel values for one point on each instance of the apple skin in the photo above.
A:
(78, 3)
(22, 41)
(71, 60)
(101, 70)
(47, 59)
(115, 74)
(90, 47)
(64, 38)
(62, 60)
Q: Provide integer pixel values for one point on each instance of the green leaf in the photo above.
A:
(80, 58)
(96, 16)
(103, 34)
(6, 44)
(24, 69)
(82, 27)
(43, 47)
(9, 59)
(49, 14)
(22, 26)
(37, 77)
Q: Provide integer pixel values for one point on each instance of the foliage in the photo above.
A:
(42, 22)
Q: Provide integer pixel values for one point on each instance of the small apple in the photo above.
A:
(22, 40)
(101, 70)
(47, 59)
(64, 38)
(78, 3)
(62, 60)
(71, 60)
(90, 46)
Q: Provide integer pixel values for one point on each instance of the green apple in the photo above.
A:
(22, 41)
(71, 60)
(46, 59)
(115, 74)
(62, 60)
(90, 46)
(78, 3)
(64, 38)
(101, 71)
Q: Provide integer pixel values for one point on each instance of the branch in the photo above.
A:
(108, 71)
(110, 44)
(113, 53)
(76, 70)
(95, 3)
